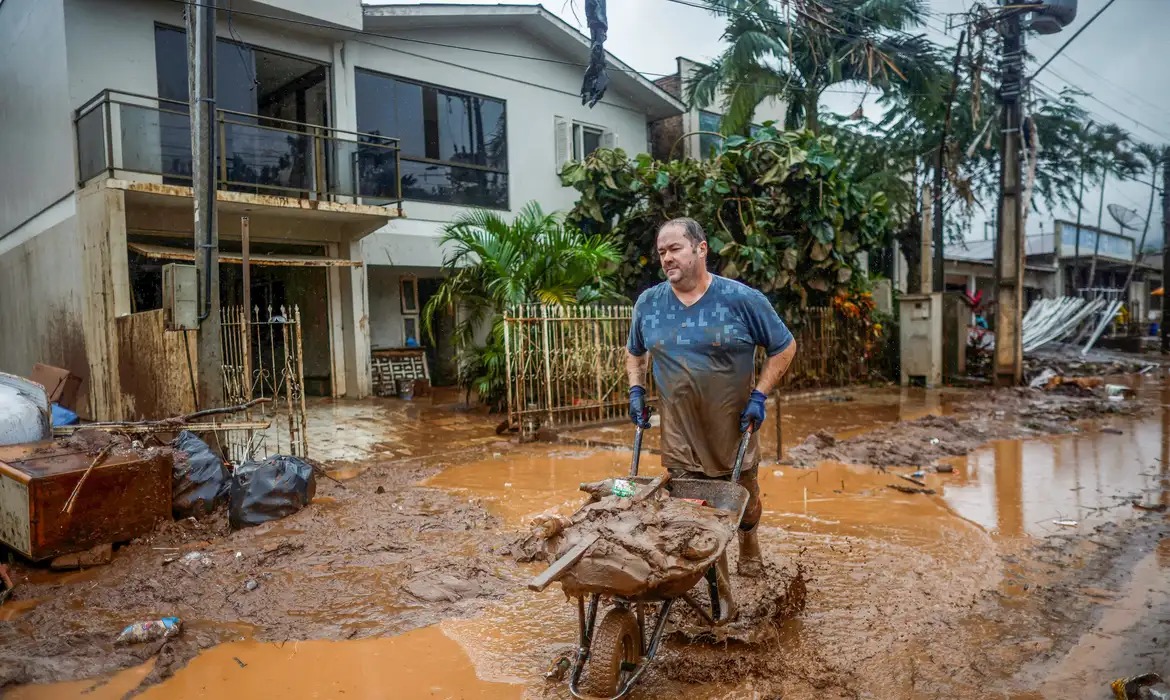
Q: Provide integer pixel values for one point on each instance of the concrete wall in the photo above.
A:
(386, 303)
(111, 43)
(36, 143)
(347, 13)
(534, 93)
(43, 297)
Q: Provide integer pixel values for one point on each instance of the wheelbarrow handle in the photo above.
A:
(739, 455)
(638, 444)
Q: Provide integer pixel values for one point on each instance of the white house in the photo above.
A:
(510, 97)
(348, 136)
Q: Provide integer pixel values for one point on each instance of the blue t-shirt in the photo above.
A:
(703, 363)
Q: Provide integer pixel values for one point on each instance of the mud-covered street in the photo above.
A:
(1027, 571)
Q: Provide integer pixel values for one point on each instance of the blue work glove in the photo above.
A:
(753, 415)
(639, 416)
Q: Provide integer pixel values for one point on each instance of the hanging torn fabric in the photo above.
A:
(596, 78)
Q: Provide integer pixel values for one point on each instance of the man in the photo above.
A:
(702, 331)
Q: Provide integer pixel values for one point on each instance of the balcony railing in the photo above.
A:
(121, 132)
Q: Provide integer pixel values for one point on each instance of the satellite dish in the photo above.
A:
(1125, 218)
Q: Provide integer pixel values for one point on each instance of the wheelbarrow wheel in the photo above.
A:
(615, 651)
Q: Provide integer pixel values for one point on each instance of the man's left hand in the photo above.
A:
(753, 415)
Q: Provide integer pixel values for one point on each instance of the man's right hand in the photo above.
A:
(639, 415)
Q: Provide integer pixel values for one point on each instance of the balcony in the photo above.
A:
(120, 133)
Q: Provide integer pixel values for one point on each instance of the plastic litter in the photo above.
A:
(149, 631)
(269, 490)
(62, 415)
(1148, 686)
(1065, 523)
(199, 481)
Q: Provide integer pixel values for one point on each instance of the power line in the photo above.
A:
(1072, 38)
(1129, 93)
(1054, 93)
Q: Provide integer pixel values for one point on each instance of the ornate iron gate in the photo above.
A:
(262, 359)
(566, 365)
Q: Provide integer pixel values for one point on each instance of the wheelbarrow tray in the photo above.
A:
(585, 579)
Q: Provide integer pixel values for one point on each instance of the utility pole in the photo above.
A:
(1165, 247)
(1009, 248)
(201, 88)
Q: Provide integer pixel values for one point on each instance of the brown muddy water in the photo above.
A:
(896, 579)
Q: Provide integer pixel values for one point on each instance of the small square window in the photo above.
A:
(586, 140)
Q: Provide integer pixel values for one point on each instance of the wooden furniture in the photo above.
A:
(124, 496)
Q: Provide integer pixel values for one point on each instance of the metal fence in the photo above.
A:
(566, 365)
(125, 132)
(262, 358)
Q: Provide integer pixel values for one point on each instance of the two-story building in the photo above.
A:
(347, 136)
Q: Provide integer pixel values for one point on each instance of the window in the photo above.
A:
(586, 140)
(410, 331)
(576, 141)
(710, 143)
(408, 291)
(454, 146)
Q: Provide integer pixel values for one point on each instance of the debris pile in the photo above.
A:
(639, 545)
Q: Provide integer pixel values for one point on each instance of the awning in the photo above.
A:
(162, 252)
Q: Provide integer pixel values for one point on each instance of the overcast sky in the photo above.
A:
(1120, 60)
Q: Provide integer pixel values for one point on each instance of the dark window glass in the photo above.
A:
(449, 184)
(263, 91)
(435, 124)
(709, 143)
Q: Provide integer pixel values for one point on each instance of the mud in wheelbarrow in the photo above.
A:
(614, 653)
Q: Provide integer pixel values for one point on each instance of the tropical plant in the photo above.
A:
(1110, 153)
(1154, 157)
(780, 211)
(775, 50)
(492, 264)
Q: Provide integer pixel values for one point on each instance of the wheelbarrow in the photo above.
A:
(613, 654)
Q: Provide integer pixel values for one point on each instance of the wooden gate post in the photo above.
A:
(547, 361)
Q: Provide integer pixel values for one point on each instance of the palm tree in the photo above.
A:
(792, 55)
(1111, 152)
(1153, 157)
(493, 264)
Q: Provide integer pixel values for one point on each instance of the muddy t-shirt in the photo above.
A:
(704, 361)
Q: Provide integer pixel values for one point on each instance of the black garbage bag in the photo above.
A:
(269, 490)
(596, 79)
(199, 481)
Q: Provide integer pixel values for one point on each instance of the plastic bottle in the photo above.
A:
(148, 631)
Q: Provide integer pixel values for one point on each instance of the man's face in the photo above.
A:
(681, 259)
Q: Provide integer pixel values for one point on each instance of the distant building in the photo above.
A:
(693, 134)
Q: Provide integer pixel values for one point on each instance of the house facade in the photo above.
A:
(347, 138)
(512, 94)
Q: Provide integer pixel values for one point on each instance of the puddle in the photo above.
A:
(865, 410)
(423, 663)
(1021, 487)
(522, 483)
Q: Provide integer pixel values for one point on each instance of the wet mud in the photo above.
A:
(373, 556)
(400, 578)
(1006, 414)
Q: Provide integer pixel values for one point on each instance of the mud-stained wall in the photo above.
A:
(41, 304)
(156, 367)
(36, 143)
